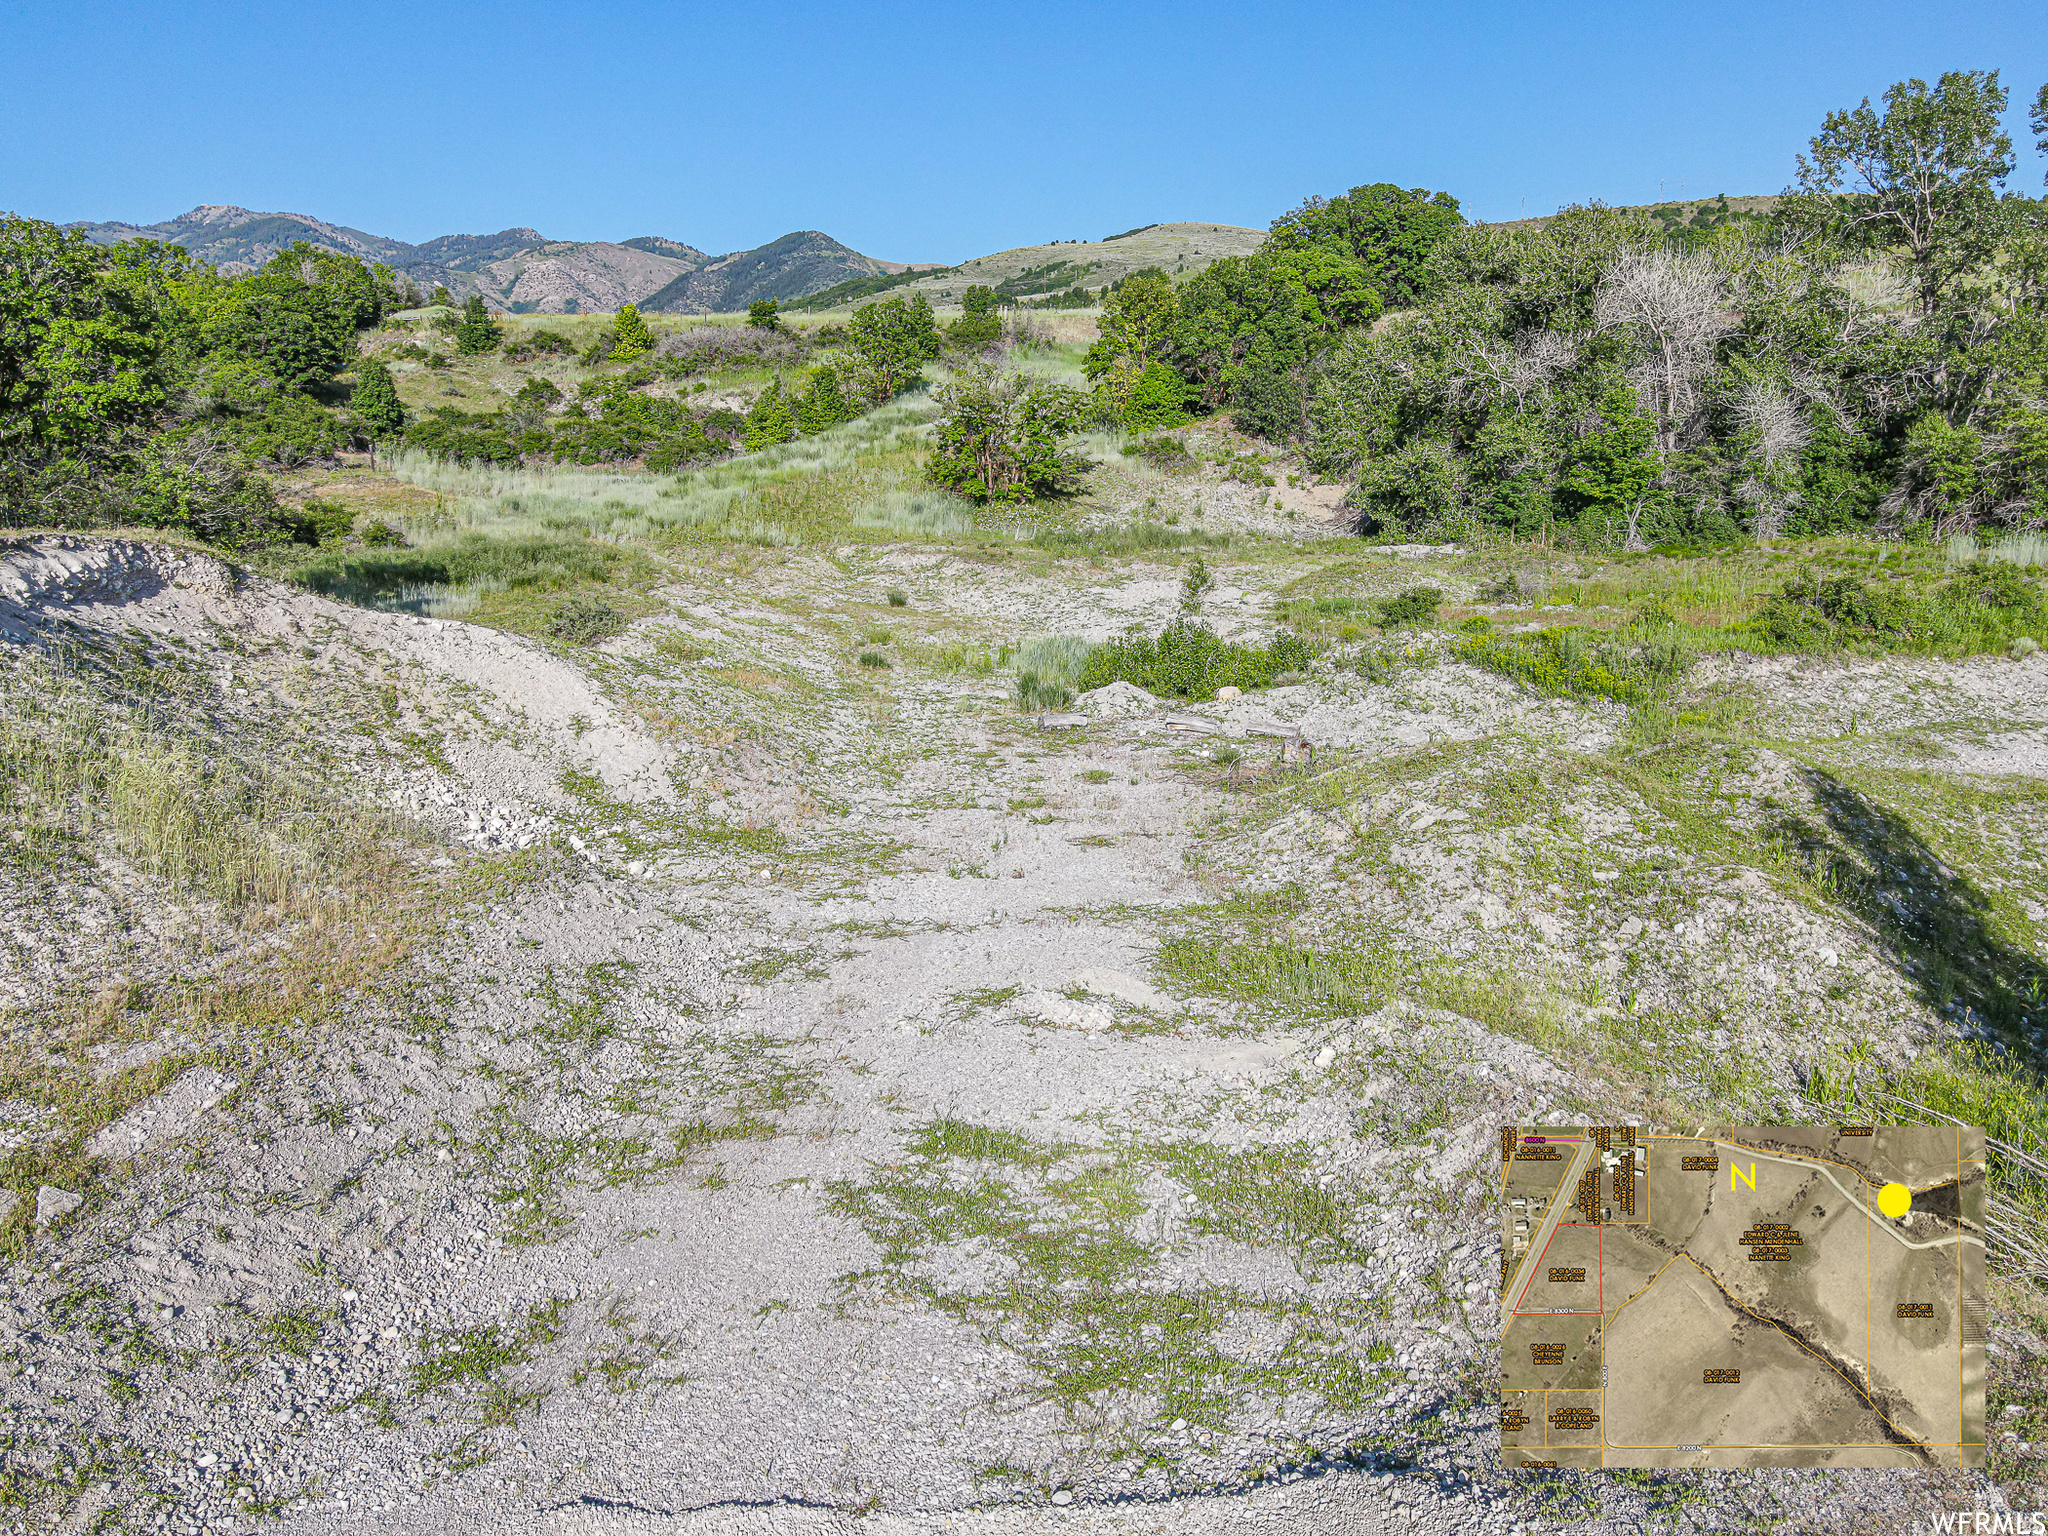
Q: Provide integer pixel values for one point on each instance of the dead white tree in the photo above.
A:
(1675, 305)
(1777, 429)
(1529, 365)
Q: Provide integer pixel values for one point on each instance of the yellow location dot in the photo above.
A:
(1895, 1200)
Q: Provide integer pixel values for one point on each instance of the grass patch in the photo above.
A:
(1141, 537)
(1990, 605)
(1049, 671)
(1571, 663)
(240, 833)
(471, 564)
(470, 1357)
(1275, 976)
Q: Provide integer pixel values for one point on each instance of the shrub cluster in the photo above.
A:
(1985, 607)
(609, 423)
(1188, 660)
(711, 348)
(584, 620)
(1417, 605)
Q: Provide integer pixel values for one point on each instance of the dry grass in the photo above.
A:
(101, 794)
(234, 833)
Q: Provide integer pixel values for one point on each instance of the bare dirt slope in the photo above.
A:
(820, 1091)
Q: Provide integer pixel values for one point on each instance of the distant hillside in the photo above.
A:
(1180, 249)
(521, 269)
(790, 268)
(1694, 213)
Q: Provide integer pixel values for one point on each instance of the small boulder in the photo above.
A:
(52, 1202)
(1230, 691)
(1116, 701)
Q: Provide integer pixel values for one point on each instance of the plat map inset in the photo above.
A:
(1742, 1296)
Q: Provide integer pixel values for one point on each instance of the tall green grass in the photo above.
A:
(2029, 549)
(1050, 669)
(447, 577)
(815, 487)
(923, 514)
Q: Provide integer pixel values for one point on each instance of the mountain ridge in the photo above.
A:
(520, 269)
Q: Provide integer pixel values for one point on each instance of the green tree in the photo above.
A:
(1157, 399)
(771, 420)
(764, 314)
(477, 332)
(1608, 473)
(980, 325)
(630, 336)
(441, 296)
(1247, 331)
(375, 403)
(84, 343)
(1340, 292)
(94, 344)
(823, 403)
(1139, 318)
(2038, 121)
(1922, 177)
(892, 340)
(1389, 231)
(359, 295)
(1001, 440)
(284, 330)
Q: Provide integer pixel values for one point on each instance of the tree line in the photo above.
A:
(1872, 354)
(139, 386)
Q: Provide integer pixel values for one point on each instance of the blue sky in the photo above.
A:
(935, 132)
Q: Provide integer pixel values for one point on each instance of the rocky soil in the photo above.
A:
(799, 1096)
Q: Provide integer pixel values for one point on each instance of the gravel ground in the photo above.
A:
(814, 1138)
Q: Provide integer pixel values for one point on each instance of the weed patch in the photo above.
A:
(1073, 1292)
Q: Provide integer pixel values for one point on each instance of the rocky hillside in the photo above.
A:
(239, 240)
(563, 277)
